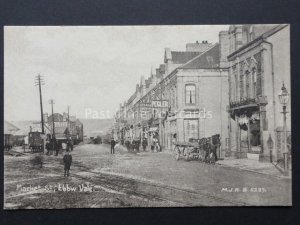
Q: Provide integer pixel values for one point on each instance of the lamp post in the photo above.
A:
(284, 99)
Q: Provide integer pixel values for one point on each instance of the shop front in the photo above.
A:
(247, 119)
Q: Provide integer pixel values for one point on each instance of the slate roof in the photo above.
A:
(209, 59)
(183, 57)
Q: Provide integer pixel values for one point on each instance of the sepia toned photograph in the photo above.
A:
(147, 116)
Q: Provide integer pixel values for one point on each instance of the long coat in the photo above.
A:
(67, 161)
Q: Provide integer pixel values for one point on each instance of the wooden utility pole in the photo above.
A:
(38, 82)
(69, 119)
(51, 101)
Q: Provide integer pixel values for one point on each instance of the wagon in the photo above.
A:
(185, 150)
(8, 141)
(35, 141)
(203, 149)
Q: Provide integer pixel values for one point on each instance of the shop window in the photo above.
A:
(190, 94)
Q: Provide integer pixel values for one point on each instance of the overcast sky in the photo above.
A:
(93, 68)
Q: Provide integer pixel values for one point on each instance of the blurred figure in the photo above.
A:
(48, 147)
(144, 144)
(112, 146)
(67, 162)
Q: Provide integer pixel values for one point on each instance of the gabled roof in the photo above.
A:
(9, 128)
(207, 60)
(178, 57)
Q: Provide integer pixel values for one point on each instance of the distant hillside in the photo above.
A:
(94, 127)
(24, 125)
(91, 127)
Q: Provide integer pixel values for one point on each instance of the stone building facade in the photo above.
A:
(185, 98)
(259, 63)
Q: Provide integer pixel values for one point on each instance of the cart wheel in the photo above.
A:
(177, 156)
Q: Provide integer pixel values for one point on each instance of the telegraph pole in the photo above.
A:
(69, 120)
(51, 101)
(39, 82)
(68, 116)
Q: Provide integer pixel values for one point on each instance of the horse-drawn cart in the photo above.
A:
(203, 149)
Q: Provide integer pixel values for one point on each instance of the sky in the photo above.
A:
(92, 69)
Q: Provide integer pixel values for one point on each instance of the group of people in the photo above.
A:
(135, 145)
(55, 145)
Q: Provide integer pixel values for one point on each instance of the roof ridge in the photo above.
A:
(187, 51)
(181, 67)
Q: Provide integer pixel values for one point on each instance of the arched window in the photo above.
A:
(190, 94)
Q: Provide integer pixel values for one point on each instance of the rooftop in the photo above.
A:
(206, 60)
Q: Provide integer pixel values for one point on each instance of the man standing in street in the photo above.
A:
(112, 146)
(144, 143)
(67, 162)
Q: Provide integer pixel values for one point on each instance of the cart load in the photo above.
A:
(203, 149)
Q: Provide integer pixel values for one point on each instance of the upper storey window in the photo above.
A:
(190, 94)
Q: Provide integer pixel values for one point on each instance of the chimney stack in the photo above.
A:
(224, 48)
(198, 47)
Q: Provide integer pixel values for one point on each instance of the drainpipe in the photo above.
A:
(273, 85)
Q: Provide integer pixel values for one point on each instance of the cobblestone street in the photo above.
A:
(131, 180)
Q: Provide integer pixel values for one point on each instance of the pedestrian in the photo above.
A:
(57, 147)
(144, 143)
(112, 146)
(137, 145)
(67, 162)
(71, 144)
(48, 147)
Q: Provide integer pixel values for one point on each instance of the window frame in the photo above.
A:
(185, 95)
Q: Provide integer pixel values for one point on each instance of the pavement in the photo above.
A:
(254, 166)
(145, 179)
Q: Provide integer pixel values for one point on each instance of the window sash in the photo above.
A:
(190, 94)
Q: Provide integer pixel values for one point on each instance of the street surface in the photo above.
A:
(146, 179)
